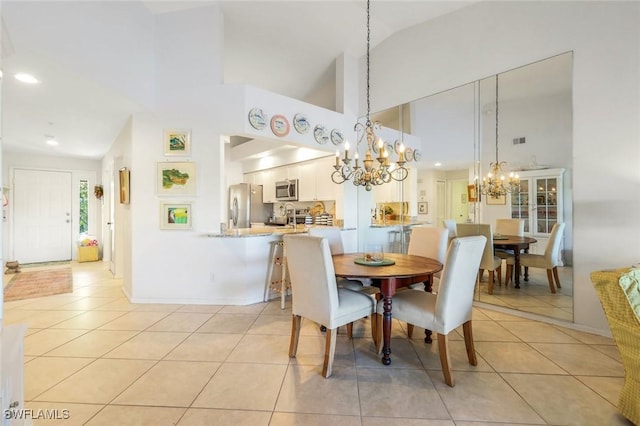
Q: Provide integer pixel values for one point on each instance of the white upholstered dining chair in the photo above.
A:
(550, 260)
(316, 296)
(429, 242)
(490, 261)
(449, 308)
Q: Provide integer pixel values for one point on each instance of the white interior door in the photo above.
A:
(42, 215)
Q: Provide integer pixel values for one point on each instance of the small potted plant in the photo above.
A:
(388, 213)
(98, 191)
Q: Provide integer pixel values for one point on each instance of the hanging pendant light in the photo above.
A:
(495, 184)
(369, 174)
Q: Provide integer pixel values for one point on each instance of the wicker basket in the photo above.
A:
(625, 328)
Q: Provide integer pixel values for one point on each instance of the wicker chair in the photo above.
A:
(625, 327)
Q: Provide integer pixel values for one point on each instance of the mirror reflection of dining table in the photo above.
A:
(406, 270)
(517, 245)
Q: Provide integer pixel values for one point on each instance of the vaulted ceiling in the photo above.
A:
(288, 47)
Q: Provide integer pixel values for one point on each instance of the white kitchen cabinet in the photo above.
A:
(315, 180)
(268, 186)
(395, 192)
(539, 203)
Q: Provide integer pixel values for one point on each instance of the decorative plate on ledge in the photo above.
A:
(336, 137)
(408, 154)
(280, 125)
(321, 134)
(417, 155)
(301, 123)
(257, 119)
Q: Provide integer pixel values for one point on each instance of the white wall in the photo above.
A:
(491, 37)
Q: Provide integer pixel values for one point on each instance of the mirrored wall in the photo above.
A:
(457, 128)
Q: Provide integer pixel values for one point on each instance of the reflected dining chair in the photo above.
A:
(490, 261)
(550, 260)
(451, 225)
(508, 227)
(316, 296)
(429, 242)
(447, 310)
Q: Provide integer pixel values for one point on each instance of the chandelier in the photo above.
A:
(495, 184)
(369, 174)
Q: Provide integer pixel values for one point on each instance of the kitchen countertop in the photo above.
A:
(393, 223)
(263, 232)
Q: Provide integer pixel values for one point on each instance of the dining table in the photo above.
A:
(397, 270)
(516, 244)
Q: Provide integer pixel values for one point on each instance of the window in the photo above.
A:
(84, 207)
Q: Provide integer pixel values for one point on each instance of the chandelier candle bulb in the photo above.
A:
(337, 158)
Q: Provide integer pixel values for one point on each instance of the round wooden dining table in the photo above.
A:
(407, 270)
(516, 244)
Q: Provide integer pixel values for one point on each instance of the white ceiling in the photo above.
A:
(85, 115)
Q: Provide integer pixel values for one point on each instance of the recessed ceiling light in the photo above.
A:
(26, 78)
(52, 142)
(438, 164)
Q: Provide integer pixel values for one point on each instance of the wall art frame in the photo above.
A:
(176, 178)
(423, 207)
(175, 215)
(124, 181)
(177, 142)
(496, 201)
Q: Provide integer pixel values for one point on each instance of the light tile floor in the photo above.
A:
(534, 295)
(110, 362)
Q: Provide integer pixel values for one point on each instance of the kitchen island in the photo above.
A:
(241, 264)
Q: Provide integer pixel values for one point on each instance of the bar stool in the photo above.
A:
(395, 240)
(277, 272)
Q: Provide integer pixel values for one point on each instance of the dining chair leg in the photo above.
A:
(374, 329)
(409, 330)
(467, 329)
(379, 339)
(499, 272)
(296, 322)
(329, 352)
(550, 279)
(490, 288)
(555, 275)
(445, 361)
(350, 330)
(508, 276)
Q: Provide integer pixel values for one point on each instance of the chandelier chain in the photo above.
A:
(368, 63)
(367, 173)
(496, 118)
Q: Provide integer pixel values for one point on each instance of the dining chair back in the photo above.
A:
(451, 307)
(510, 227)
(490, 261)
(550, 260)
(316, 296)
(332, 234)
(429, 242)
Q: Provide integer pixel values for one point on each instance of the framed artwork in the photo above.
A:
(423, 207)
(176, 178)
(472, 193)
(496, 200)
(125, 185)
(175, 215)
(177, 142)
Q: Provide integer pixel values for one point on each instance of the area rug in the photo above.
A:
(38, 283)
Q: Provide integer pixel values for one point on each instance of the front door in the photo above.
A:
(42, 215)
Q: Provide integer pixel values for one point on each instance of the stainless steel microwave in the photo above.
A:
(287, 190)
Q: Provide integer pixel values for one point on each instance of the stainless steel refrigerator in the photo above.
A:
(246, 206)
